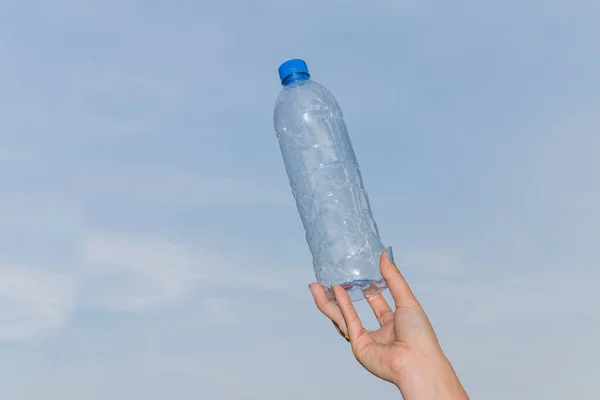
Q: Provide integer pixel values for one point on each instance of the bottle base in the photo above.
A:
(359, 289)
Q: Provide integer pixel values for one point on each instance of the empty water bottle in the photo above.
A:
(327, 185)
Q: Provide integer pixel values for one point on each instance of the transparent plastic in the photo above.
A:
(327, 185)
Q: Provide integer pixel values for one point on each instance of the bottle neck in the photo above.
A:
(294, 78)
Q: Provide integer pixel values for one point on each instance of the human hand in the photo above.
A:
(405, 350)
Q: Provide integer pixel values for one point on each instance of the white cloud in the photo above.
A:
(33, 303)
(125, 273)
(135, 272)
(40, 240)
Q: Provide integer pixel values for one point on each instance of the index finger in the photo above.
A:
(328, 307)
(359, 337)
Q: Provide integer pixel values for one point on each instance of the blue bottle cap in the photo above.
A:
(292, 66)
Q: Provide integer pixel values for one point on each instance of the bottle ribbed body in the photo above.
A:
(326, 182)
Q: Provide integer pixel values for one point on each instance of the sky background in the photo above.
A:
(149, 243)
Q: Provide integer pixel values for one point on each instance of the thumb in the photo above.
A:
(399, 289)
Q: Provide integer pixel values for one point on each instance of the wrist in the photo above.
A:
(430, 378)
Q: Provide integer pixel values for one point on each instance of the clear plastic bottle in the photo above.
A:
(327, 185)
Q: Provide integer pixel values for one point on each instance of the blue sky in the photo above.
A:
(149, 244)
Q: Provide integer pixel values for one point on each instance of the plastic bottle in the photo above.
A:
(327, 185)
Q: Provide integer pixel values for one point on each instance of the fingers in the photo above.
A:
(353, 323)
(381, 308)
(328, 307)
(403, 296)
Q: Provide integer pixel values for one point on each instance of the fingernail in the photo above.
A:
(390, 254)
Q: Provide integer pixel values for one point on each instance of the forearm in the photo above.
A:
(434, 381)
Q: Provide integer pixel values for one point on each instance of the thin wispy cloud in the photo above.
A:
(33, 303)
(135, 272)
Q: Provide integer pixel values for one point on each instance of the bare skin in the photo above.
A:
(404, 350)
